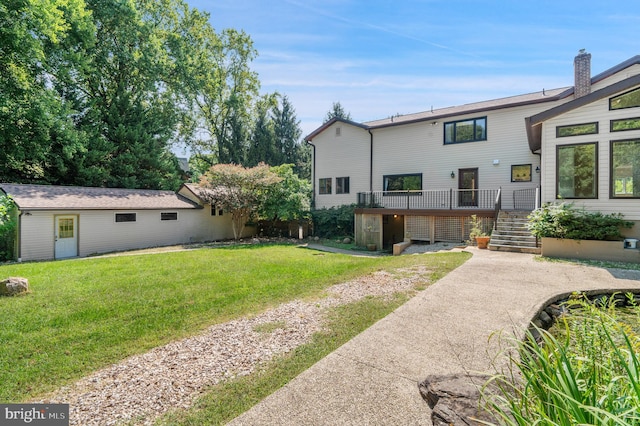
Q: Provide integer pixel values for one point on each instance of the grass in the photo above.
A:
(587, 373)
(226, 401)
(82, 315)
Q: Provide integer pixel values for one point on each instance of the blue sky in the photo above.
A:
(381, 58)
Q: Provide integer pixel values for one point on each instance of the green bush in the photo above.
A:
(565, 221)
(589, 375)
(334, 222)
(8, 226)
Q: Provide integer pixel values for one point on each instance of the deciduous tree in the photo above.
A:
(238, 190)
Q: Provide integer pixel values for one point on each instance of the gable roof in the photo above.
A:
(50, 197)
(534, 123)
(329, 123)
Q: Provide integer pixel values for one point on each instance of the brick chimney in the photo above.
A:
(582, 73)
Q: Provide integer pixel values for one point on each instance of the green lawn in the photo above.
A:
(84, 314)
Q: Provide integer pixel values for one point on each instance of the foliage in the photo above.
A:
(589, 376)
(238, 190)
(8, 225)
(36, 125)
(477, 228)
(565, 221)
(334, 222)
(288, 199)
(82, 316)
(337, 111)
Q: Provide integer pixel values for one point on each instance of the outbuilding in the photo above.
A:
(57, 222)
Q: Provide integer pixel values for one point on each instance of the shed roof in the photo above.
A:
(50, 197)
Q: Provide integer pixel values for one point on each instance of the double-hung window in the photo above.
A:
(342, 185)
(324, 186)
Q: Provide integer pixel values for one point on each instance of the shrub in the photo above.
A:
(565, 221)
(8, 225)
(334, 222)
(590, 375)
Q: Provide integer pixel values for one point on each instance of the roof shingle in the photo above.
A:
(49, 197)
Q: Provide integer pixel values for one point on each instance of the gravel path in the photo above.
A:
(142, 387)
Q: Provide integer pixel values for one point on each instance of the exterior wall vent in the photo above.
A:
(338, 131)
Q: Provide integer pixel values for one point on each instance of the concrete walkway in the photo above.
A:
(446, 328)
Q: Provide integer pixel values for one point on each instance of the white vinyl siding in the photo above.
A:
(597, 111)
(98, 232)
(418, 148)
(341, 156)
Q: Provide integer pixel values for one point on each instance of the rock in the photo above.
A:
(454, 399)
(316, 238)
(547, 321)
(13, 286)
(346, 241)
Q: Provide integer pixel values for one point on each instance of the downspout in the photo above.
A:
(313, 176)
(18, 244)
(370, 161)
(538, 202)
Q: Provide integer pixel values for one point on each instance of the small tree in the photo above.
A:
(8, 223)
(290, 199)
(238, 190)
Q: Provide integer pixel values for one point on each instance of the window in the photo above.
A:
(342, 185)
(471, 130)
(625, 124)
(409, 182)
(324, 186)
(168, 215)
(626, 100)
(625, 169)
(576, 130)
(577, 171)
(65, 228)
(214, 209)
(125, 217)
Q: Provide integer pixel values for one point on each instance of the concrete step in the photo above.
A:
(515, 249)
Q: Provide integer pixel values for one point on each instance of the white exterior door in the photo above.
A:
(66, 236)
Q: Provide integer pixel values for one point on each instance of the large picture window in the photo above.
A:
(625, 169)
(471, 130)
(342, 185)
(408, 182)
(626, 100)
(324, 186)
(577, 171)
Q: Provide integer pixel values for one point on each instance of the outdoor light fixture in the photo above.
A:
(453, 175)
(537, 169)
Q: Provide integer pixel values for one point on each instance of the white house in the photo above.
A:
(422, 175)
(62, 221)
